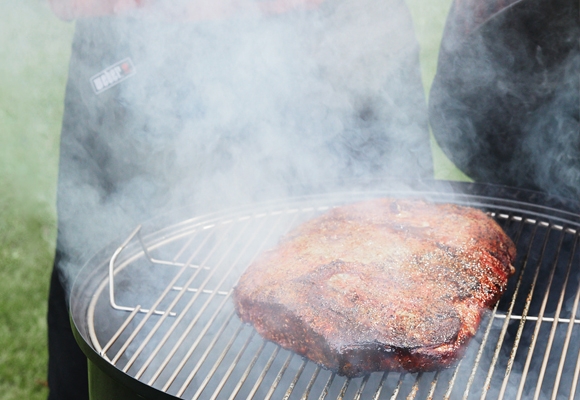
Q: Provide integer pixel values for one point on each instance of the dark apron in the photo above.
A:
(213, 114)
(228, 112)
(505, 104)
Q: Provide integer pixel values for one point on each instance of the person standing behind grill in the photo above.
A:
(505, 102)
(174, 103)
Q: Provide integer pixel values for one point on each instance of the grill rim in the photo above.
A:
(554, 210)
(116, 375)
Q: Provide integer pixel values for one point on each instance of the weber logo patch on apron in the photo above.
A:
(112, 75)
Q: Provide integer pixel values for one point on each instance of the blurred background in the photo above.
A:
(34, 52)
(34, 55)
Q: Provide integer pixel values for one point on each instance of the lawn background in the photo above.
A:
(34, 54)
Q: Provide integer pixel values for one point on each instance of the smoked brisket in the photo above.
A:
(387, 284)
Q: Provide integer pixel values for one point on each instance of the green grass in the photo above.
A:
(34, 53)
(24, 268)
(429, 19)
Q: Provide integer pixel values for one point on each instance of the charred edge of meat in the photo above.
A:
(315, 305)
(274, 323)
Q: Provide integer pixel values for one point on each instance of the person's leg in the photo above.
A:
(67, 364)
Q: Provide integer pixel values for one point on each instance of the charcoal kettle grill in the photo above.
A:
(154, 313)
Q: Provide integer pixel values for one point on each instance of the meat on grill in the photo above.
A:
(387, 284)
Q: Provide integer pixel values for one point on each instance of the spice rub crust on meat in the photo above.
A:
(387, 284)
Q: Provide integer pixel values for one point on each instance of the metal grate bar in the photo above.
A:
(136, 232)
(415, 388)
(432, 386)
(173, 263)
(203, 357)
(155, 328)
(447, 395)
(264, 372)
(233, 364)
(142, 323)
(208, 377)
(188, 306)
(308, 388)
(541, 313)
(556, 320)
(552, 334)
(177, 298)
(380, 386)
(343, 389)
(204, 291)
(258, 251)
(327, 387)
(398, 387)
(508, 316)
(279, 376)
(111, 270)
(121, 329)
(575, 378)
(524, 314)
(246, 373)
(479, 355)
(123, 326)
(144, 320)
(178, 344)
(292, 384)
(567, 343)
(358, 394)
(180, 294)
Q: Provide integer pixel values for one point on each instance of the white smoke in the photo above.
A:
(235, 110)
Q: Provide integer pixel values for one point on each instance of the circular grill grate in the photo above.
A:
(163, 313)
